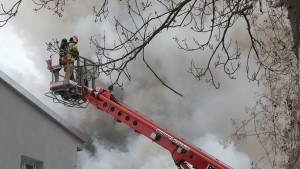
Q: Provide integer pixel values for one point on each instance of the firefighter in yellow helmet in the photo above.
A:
(72, 54)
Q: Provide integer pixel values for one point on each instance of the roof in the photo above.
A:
(44, 109)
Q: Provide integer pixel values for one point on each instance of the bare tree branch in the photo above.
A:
(7, 14)
(57, 6)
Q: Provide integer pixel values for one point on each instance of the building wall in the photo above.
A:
(26, 131)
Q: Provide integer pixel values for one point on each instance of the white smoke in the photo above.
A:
(202, 110)
(143, 154)
(230, 155)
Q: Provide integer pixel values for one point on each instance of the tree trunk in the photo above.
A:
(293, 8)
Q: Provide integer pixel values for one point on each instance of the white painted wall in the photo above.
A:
(25, 130)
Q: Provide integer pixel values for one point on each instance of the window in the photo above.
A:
(27, 164)
(30, 163)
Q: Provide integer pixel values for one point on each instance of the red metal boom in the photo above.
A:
(185, 155)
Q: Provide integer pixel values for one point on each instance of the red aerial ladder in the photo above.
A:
(74, 93)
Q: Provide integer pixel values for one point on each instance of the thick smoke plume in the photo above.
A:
(202, 116)
(143, 154)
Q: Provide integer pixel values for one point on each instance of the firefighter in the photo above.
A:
(72, 55)
(63, 52)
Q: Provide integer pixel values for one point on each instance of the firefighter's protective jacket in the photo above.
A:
(72, 53)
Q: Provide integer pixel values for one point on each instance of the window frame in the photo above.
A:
(27, 161)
